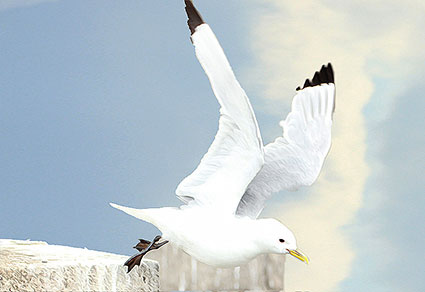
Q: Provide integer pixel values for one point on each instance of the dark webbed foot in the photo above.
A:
(133, 261)
(144, 246)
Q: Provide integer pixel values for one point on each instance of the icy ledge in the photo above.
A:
(38, 266)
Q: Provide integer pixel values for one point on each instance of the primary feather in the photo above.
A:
(296, 158)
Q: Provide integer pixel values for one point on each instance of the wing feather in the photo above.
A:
(236, 155)
(296, 158)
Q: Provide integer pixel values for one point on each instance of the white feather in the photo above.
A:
(296, 158)
(236, 155)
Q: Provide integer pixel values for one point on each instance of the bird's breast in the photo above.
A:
(216, 241)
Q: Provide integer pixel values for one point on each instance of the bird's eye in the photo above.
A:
(282, 240)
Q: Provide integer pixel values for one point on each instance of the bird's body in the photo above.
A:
(220, 241)
(224, 195)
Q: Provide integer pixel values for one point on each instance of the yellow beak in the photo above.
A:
(299, 255)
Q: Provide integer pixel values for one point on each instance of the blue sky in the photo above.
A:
(104, 101)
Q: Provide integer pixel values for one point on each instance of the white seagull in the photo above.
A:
(223, 197)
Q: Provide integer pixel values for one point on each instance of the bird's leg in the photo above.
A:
(144, 247)
(159, 244)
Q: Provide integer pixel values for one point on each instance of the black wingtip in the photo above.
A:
(194, 18)
(325, 75)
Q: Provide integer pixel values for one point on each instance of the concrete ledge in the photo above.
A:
(181, 272)
(37, 266)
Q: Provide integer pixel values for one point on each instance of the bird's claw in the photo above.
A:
(143, 246)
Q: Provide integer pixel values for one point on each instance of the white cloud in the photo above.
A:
(363, 40)
(8, 4)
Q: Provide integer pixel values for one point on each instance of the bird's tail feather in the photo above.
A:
(142, 214)
(156, 216)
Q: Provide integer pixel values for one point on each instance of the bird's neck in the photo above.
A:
(255, 231)
(261, 233)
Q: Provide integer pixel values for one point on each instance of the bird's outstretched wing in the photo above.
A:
(296, 158)
(236, 155)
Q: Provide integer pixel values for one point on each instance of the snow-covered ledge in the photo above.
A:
(37, 266)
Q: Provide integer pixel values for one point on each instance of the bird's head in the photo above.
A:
(277, 238)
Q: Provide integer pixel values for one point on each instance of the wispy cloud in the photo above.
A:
(363, 40)
(9, 4)
(388, 224)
